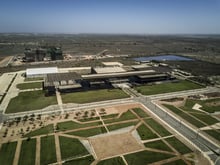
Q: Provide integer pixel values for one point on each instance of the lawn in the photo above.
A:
(167, 87)
(121, 125)
(178, 145)
(145, 133)
(89, 132)
(29, 85)
(47, 150)
(184, 115)
(41, 131)
(128, 115)
(110, 116)
(210, 105)
(145, 157)
(160, 145)
(7, 153)
(71, 147)
(28, 151)
(215, 134)
(176, 162)
(68, 125)
(140, 112)
(157, 127)
(112, 161)
(31, 100)
(34, 79)
(82, 161)
(93, 96)
(205, 118)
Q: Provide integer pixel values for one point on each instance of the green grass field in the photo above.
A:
(205, 118)
(145, 157)
(157, 127)
(184, 116)
(47, 150)
(167, 87)
(82, 161)
(112, 161)
(121, 125)
(176, 162)
(29, 85)
(28, 152)
(145, 133)
(41, 131)
(159, 144)
(210, 105)
(89, 132)
(110, 116)
(31, 100)
(34, 79)
(70, 147)
(7, 153)
(140, 112)
(215, 134)
(178, 145)
(93, 96)
(68, 125)
(124, 116)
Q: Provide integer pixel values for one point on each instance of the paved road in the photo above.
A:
(206, 146)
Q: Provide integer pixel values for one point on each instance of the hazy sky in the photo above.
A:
(111, 16)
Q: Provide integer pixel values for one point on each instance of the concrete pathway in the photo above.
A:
(17, 152)
(59, 101)
(58, 152)
(37, 158)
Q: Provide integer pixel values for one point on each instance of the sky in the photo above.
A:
(110, 16)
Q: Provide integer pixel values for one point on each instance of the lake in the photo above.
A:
(164, 58)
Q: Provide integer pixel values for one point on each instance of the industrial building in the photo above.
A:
(43, 54)
(106, 77)
(40, 72)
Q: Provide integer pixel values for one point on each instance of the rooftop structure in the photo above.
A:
(108, 70)
(40, 72)
(112, 64)
(140, 67)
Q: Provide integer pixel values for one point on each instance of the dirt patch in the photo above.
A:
(112, 145)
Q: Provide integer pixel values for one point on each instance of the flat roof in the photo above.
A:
(109, 70)
(38, 71)
(152, 76)
(142, 66)
(112, 75)
(112, 63)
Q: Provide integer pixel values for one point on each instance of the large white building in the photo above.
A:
(40, 72)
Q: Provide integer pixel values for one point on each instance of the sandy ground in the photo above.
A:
(112, 145)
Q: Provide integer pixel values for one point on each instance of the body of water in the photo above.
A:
(164, 58)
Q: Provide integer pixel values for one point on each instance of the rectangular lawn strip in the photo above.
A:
(185, 116)
(81, 161)
(167, 87)
(205, 118)
(47, 150)
(89, 132)
(29, 85)
(93, 96)
(112, 161)
(68, 125)
(7, 153)
(210, 105)
(121, 125)
(31, 100)
(109, 116)
(125, 116)
(159, 144)
(178, 145)
(89, 119)
(146, 157)
(145, 133)
(41, 131)
(34, 79)
(28, 152)
(140, 112)
(71, 147)
(176, 162)
(215, 134)
(157, 127)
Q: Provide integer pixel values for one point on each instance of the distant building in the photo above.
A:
(43, 54)
(40, 72)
